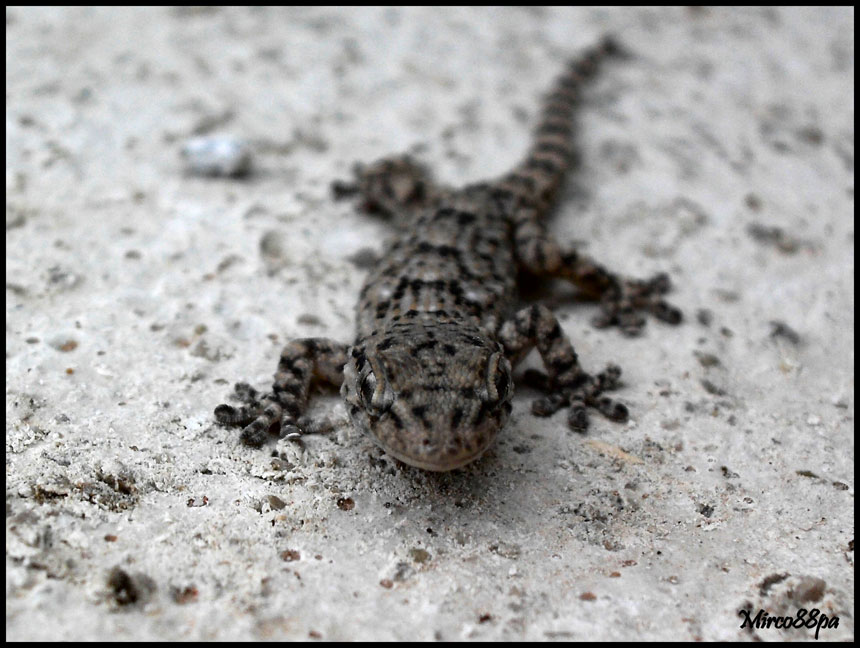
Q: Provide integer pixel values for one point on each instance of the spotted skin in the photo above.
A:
(439, 323)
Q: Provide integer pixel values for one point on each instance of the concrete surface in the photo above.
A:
(137, 294)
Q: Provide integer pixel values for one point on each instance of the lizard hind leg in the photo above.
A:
(390, 185)
(622, 300)
(566, 383)
(281, 409)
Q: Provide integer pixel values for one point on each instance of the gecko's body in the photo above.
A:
(429, 373)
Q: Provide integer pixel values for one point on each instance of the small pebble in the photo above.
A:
(217, 156)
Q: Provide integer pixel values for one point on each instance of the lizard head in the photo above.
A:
(432, 398)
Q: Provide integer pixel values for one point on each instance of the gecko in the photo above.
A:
(440, 326)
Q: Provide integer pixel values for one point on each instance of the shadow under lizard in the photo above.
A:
(428, 376)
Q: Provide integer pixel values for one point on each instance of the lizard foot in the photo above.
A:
(588, 391)
(387, 186)
(260, 417)
(622, 305)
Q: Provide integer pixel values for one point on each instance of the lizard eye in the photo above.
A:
(501, 383)
(375, 401)
(498, 378)
(368, 387)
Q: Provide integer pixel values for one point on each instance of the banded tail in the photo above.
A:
(539, 175)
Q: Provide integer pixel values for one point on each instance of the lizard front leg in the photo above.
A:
(302, 362)
(621, 299)
(566, 382)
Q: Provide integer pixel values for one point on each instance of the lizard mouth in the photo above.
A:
(440, 464)
(440, 458)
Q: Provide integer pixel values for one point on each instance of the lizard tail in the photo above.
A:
(538, 177)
